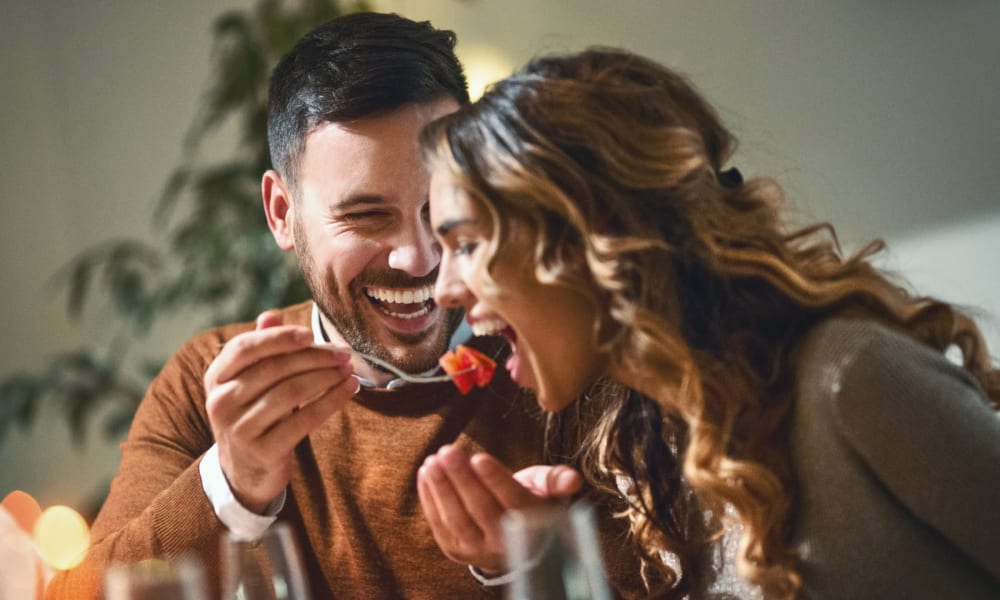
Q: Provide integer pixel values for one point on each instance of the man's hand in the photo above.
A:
(266, 391)
(464, 497)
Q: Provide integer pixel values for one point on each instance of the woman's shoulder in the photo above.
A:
(859, 375)
(851, 337)
(903, 439)
(840, 355)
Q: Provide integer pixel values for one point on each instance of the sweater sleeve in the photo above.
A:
(923, 428)
(156, 506)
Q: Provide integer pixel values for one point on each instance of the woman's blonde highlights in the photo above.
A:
(612, 162)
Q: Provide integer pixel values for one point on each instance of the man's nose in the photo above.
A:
(415, 251)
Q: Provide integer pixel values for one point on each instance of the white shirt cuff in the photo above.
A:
(493, 581)
(519, 571)
(241, 522)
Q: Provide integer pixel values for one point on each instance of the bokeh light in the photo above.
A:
(23, 508)
(483, 66)
(22, 574)
(62, 536)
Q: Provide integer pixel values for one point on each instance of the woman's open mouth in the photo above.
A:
(495, 326)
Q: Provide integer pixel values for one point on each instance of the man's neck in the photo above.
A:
(325, 333)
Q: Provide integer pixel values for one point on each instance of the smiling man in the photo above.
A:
(255, 422)
(356, 213)
(279, 420)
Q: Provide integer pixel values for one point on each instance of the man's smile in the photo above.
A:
(402, 303)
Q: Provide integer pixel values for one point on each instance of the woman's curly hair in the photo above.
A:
(616, 164)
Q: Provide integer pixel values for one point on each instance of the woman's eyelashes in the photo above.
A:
(465, 248)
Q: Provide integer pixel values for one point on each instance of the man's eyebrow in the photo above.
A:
(361, 199)
(450, 224)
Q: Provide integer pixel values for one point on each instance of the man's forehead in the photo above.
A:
(388, 124)
(376, 156)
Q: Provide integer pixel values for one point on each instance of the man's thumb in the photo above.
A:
(268, 318)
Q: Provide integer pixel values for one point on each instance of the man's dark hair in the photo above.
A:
(355, 66)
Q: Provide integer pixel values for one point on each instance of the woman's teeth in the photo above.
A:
(488, 327)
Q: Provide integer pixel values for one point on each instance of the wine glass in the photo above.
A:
(156, 579)
(265, 568)
(553, 554)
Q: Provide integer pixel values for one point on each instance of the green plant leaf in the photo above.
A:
(116, 424)
(218, 257)
(19, 396)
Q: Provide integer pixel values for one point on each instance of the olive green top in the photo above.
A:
(897, 456)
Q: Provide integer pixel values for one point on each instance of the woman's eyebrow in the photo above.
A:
(450, 224)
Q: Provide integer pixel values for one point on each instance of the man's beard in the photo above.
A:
(347, 314)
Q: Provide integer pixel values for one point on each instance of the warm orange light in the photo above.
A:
(62, 537)
(483, 66)
(22, 574)
(23, 508)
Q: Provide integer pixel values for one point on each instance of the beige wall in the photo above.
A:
(96, 98)
(878, 116)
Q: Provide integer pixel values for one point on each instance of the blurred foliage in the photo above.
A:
(218, 259)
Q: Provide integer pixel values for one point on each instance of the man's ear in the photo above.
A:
(278, 208)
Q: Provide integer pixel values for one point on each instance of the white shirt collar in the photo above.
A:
(462, 334)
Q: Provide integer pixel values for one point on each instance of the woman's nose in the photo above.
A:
(449, 289)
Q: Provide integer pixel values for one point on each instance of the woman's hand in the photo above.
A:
(463, 498)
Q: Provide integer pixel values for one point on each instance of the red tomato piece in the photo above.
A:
(485, 366)
(454, 364)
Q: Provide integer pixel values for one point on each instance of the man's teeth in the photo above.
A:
(488, 327)
(402, 296)
(413, 315)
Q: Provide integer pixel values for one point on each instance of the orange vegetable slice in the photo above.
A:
(485, 366)
(457, 367)
(467, 368)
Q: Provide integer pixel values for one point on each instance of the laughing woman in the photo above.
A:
(746, 376)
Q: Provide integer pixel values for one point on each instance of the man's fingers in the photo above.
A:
(291, 429)
(251, 347)
(268, 318)
(257, 462)
(288, 375)
(270, 384)
(293, 394)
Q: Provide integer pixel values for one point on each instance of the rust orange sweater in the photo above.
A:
(352, 499)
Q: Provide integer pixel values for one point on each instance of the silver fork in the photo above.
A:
(401, 374)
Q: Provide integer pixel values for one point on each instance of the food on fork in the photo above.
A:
(467, 367)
